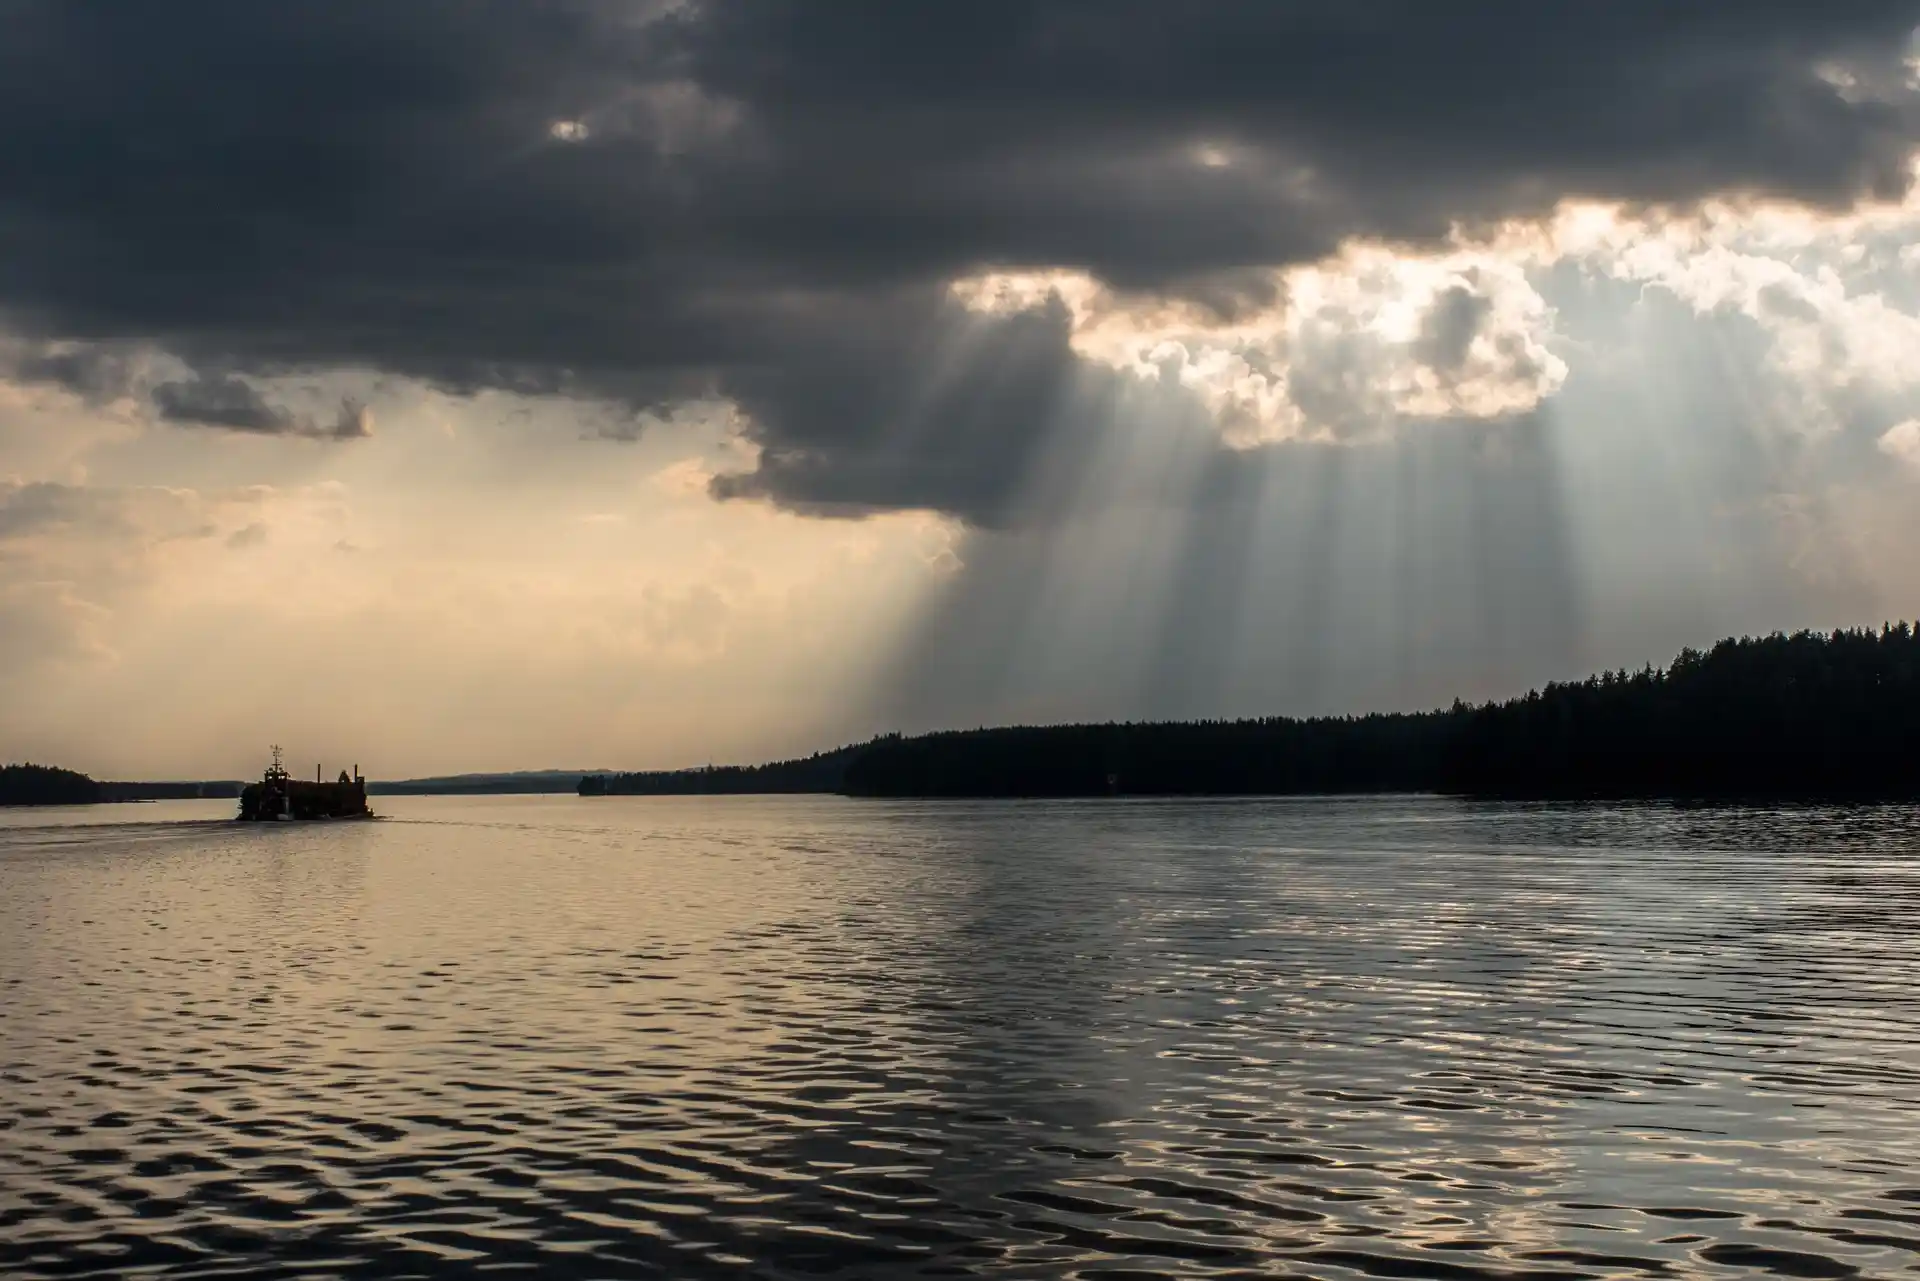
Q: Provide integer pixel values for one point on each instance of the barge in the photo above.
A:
(279, 797)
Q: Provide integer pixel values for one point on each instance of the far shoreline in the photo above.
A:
(1808, 718)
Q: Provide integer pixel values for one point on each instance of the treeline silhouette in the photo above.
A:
(1272, 756)
(1800, 715)
(1803, 715)
(31, 784)
(821, 772)
(49, 785)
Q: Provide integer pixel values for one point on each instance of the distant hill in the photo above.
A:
(821, 772)
(212, 789)
(517, 781)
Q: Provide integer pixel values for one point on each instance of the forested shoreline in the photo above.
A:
(1808, 715)
(30, 784)
(821, 772)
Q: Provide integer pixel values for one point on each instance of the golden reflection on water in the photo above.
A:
(684, 1036)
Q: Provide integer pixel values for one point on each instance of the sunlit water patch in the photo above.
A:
(816, 1037)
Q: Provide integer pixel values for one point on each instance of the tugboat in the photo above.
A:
(278, 797)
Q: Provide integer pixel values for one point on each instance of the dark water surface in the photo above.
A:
(808, 1036)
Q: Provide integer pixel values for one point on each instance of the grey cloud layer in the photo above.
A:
(27, 508)
(763, 199)
(232, 403)
(104, 373)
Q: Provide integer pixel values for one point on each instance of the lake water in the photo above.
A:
(818, 1037)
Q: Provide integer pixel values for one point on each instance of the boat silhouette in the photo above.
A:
(279, 797)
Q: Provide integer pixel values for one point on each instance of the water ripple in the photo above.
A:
(791, 1037)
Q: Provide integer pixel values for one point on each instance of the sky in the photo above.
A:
(467, 385)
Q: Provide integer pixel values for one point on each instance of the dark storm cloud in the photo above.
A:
(947, 416)
(220, 401)
(94, 373)
(233, 404)
(761, 198)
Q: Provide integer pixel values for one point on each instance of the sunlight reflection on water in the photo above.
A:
(675, 1036)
